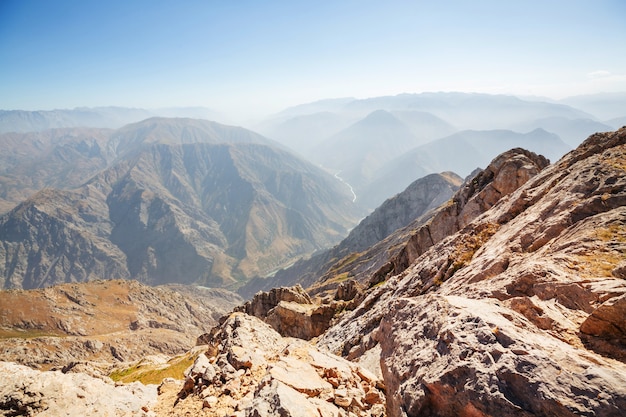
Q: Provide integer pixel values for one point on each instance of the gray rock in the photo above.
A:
(25, 391)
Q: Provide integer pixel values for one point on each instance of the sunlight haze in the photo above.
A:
(249, 59)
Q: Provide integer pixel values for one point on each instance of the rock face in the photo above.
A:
(393, 254)
(27, 392)
(477, 358)
(165, 201)
(520, 312)
(250, 370)
(291, 312)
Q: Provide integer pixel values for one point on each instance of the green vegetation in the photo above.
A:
(155, 374)
(27, 334)
(340, 278)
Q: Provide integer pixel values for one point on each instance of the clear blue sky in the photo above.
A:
(261, 56)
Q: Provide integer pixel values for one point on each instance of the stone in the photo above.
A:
(437, 333)
(299, 375)
(25, 391)
(605, 329)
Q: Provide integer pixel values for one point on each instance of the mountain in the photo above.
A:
(21, 121)
(106, 321)
(60, 158)
(516, 310)
(425, 126)
(572, 132)
(603, 106)
(66, 158)
(303, 133)
(182, 201)
(461, 153)
(462, 110)
(364, 153)
(470, 110)
(507, 300)
(414, 202)
(503, 316)
(359, 150)
(617, 122)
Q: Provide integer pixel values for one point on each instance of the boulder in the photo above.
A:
(25, 391)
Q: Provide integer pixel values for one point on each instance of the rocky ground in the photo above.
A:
(519, 313)
(108, 322)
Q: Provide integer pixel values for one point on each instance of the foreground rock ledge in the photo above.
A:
(250, 370)
(478, 358)
(24, 391)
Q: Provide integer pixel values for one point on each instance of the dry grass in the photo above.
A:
(468, 244)
(27, 334)
(602, 261)
(155, 374)
(617, 161)
(100, 307)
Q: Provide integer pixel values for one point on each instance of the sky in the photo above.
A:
(254, 58)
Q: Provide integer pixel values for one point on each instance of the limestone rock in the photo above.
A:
(260, 373)
(477, 357)
(25, 391)
(605, 328)
(263, 301)
(291, 312)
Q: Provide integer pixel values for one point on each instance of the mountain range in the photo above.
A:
(163, 200)
(21, 121)
(367, 141)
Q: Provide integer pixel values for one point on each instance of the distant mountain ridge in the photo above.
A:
(65, 158)
(21, 121)
(179, 200)
(363, 145)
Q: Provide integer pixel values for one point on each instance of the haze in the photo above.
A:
(250, 59)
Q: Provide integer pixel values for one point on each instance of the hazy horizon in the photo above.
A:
(251, 59)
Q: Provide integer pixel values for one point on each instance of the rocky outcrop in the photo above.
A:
(392, 255)
(605, 329)
(27, 392)
(250, 370)
(291, 312)
(520, 312)
(463, 356)
(505, 174)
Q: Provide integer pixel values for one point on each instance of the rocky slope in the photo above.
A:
(518, 313)
(250, 370)
(27, 392)
(181, 201)
(105, 322)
